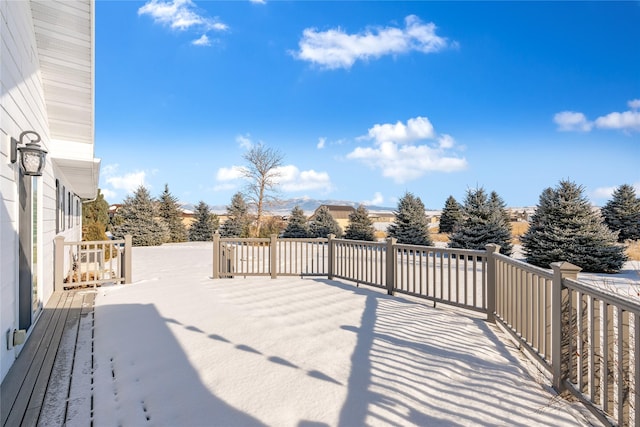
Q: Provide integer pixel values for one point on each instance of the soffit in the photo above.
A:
(64, 36)
(81, 175)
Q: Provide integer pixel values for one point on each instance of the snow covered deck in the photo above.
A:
(178, 348)
(48, 383)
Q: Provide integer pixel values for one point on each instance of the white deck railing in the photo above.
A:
(587, 340)
(93, 263)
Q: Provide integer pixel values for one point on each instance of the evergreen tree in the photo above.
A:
(95, 219)
(169, 211)
(205, 224)
(137, 217)
(238, 220)
(564, 227)
(484, 221)
(498, 206)
(622, 213)
(451, 215)
(297, 225)
(360, 226)
(324, 224)
(410, 225)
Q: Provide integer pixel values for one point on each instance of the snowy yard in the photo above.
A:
(176, 348)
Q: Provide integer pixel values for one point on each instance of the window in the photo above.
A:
(57, 206)
(62, 210)
(78, 212)
(69, 209)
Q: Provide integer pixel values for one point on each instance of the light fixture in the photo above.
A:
(33, 156)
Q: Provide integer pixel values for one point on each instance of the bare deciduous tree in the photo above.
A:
(262, 173)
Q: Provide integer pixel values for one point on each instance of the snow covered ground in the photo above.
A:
(626, 283)
(176, 348)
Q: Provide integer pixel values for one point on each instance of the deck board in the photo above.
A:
(42, 362)
(16, 376)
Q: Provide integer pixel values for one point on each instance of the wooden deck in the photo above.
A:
(40, 389)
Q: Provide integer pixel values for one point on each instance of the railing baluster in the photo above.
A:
(591, 326)
(604, 356)
(579, 341)
(634, 369)
(618, 364)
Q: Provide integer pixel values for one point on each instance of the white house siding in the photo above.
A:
(23, 106)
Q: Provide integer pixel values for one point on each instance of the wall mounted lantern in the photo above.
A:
(32, 156)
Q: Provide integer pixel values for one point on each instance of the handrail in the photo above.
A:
(586, 338)
(91, 263)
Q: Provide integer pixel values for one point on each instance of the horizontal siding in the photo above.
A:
(46, 79)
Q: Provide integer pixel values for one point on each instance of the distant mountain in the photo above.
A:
(285, 206)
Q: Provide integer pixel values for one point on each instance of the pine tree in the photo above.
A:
(622, 213)
(498, 206)
(297, 225)
(95, 219)
(360, 226)
(137, 217)
(238, 221)
(205, 224)
(451, 215)
(484, 221)
(564, 227)
(410, 226)
(170, 212)
(323, 224)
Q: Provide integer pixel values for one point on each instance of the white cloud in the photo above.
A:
(606, 193)
(230, 178)
(202, 41)
(377, 200)
(109, 170)
(244, 141)
(321, 143)
(128, 182)
(446, 141)
(627, 120)
(258, 1)
(180, 15)
(335, 48)
(404, 163)
(229, 174)
(108, 194)
(416, 129)
(292, 179)
(602, 192)
(572, 121)
(397, 155)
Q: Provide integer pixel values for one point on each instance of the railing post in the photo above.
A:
(216, 255)
(128, 244)
(492, 249)
(330, 264)
(273, 244)
(559, 369)
(390, 267)
(58, 264)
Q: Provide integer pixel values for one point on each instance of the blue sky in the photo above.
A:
(368, 100)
